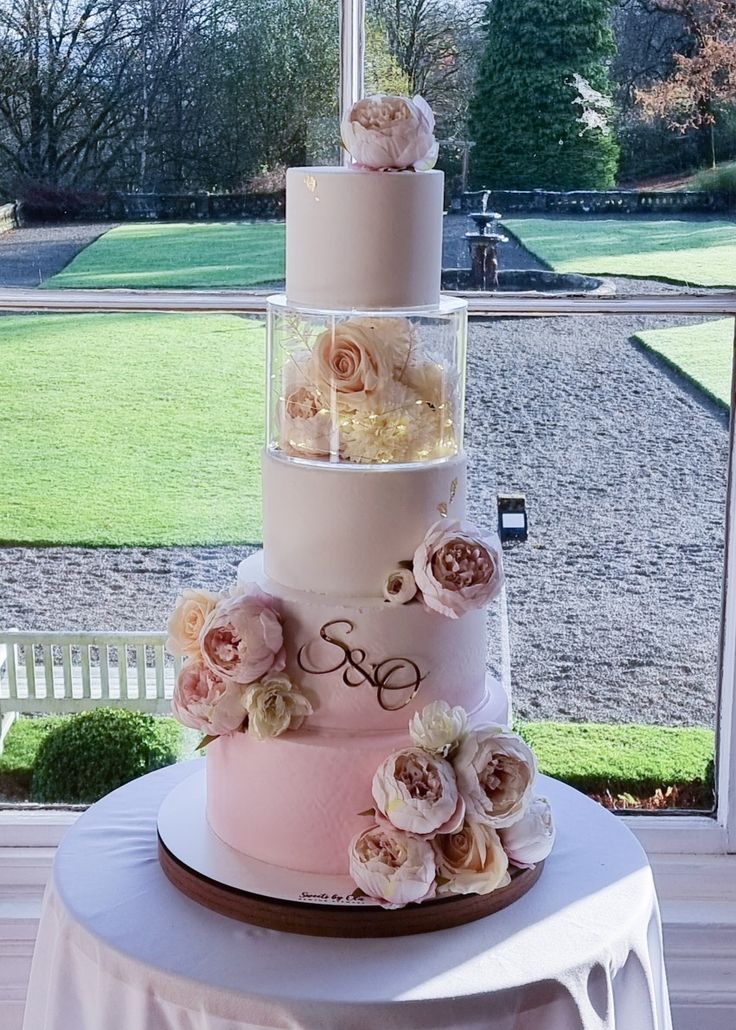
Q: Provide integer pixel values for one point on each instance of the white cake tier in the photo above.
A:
(448, 656)
(363, 239)
(294, 801)
(339, 529)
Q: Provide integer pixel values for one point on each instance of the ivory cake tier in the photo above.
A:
(340, 529)
(363, 239)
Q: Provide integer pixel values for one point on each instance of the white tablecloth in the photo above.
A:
(119, 948)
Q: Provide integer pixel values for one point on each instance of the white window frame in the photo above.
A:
(664, 833)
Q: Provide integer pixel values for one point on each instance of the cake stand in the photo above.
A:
(213, 874)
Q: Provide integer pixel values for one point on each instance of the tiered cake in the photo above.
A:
(365, 611)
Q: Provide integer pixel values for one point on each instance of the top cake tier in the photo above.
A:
(363, 240)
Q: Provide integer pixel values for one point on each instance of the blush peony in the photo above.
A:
(392, 867)
(530, 839)
(242, 639)
(457, 568)
(204, 702)
(274, 705)
(305, 424)
(495, 773)
(471, 860)
(187, 619)
(390, 132)
(417, 792)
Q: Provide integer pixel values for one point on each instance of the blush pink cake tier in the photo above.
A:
(363, 469)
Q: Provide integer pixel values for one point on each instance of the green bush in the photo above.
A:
(526, 112)
(721, 180)
(92, 753)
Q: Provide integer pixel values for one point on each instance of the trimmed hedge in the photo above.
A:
(92, 753)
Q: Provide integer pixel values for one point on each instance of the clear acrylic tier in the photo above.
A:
(366, 388)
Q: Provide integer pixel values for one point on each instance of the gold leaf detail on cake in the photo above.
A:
(443, 506)
(310, 182)
(392, 675)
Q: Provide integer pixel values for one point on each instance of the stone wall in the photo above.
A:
(7, 217)
(69, 206)
(595, 202)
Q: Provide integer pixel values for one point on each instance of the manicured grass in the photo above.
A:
(623, 759)
(173, 254)
(16, 762)
(130, 429)
(701, 353)
(698, 252)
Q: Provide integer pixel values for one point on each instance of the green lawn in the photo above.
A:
(592, 757)
(130, 429)
(701, 353)
(185, 255)
(697, 252)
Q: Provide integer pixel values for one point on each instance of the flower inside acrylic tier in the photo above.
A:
(354, 737)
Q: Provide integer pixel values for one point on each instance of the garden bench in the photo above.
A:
(69, 672)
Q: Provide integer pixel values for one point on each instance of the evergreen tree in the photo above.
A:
(541, 114)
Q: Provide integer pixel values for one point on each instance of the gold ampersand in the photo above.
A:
(356, 672)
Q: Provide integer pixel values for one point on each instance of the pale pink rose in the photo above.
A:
(204, 702)
(530, 839)
(389, 132)
(392, 867)
(471, 860)
(400, 586)
(274, 705)
(350, 361)
(457, 568)
(439, 728)
(417, 792)
(495, 773)
(242, 639)
(187, 619)
(305, 427)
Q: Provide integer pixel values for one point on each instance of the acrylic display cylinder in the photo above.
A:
(366, 388)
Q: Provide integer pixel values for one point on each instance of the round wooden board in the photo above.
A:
(336, 921)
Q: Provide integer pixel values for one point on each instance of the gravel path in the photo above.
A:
(28, 256)
(613, 601)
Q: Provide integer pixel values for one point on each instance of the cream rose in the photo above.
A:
(530, 839)
(274, 705)
(392, 867)
(187, 619)
(204, 702)
(417, 792)
(439, 728)
(495, 773)
(457, 568)
(471, 860)
(389, 132)
(400, 586)
(242, 639)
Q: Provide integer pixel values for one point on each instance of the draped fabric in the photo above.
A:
(119, 948)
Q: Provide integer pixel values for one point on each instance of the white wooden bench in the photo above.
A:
(69, 672)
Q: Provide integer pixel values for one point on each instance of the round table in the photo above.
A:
(119, 948)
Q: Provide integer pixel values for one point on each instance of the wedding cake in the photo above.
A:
(351, 727)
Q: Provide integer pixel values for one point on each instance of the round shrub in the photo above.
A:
(94, 752)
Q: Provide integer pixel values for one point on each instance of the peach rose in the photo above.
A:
(417, 792)
(350, 361)
(471, 860)
(392, 867)
(457, 568)
(389, 132)
(187, 619)
(204, 702)
(495, 772)
(242, 639)
(274, 705)
(305, 423)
